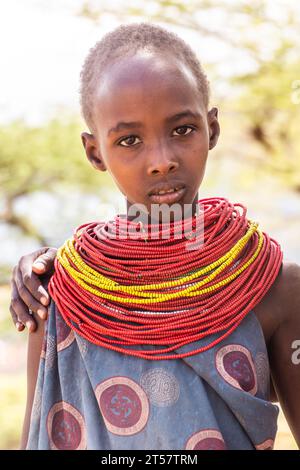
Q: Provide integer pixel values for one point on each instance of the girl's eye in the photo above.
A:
(130, 140)
(184, 128)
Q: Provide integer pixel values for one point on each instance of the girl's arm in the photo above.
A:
(284, 348)
(35, 342)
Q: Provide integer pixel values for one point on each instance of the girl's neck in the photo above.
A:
(182, 213)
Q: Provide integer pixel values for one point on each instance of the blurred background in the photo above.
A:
(250, 50)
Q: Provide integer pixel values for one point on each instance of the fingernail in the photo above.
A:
(39, 265)
(44, 300)
(29, 325)
(42, 313)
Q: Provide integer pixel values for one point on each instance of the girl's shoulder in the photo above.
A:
(279, 317)
(282, 301)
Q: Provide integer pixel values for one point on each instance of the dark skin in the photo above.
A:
(151, 90)
(151, 152)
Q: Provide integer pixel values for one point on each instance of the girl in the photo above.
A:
(156, 342)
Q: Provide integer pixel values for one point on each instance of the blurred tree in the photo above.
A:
(240, 23)
(40, 158)
(272, 115)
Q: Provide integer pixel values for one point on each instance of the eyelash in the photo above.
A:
(133, 145)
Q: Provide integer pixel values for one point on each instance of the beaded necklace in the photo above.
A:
(151, 290)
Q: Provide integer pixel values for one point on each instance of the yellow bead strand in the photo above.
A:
(87, 276)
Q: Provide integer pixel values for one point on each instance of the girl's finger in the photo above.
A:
(24, 294)
(31, 279)
(18, 324)
(45, 262)
(19, 310)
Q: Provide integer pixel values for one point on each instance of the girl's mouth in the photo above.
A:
(168, 197)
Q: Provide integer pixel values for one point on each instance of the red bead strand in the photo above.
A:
(145, 258)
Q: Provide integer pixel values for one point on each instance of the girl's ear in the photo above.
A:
(214, 127)
(92, 152)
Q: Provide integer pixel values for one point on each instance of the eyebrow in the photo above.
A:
(176, 117)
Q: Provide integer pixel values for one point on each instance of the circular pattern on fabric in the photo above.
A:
(262, 372)
(161, 386)
(268, 444)
(234, 363)
(65, 336)
(207, 439)
(66, 428)
(124, 405)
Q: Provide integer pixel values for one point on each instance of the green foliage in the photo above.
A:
(42, 158)
(35, 158)
(272, 116)
(12, 383)
(12, 409)
(5, 274)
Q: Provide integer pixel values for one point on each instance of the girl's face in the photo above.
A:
(151, 128)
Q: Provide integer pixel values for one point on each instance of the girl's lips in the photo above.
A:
(168, 198)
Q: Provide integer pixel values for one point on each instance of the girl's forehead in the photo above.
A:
(145, 84)
(143, 71)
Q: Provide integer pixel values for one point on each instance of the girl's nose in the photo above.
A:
(161, 161)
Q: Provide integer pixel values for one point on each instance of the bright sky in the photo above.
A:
(41, 51)
(42, 48)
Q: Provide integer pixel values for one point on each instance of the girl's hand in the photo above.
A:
(28, 288)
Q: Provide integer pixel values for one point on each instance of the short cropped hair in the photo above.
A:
(126, 40)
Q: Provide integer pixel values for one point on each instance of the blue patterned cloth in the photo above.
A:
(88, 397)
